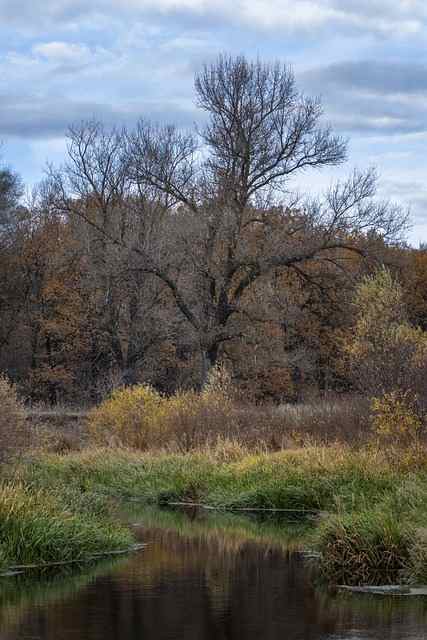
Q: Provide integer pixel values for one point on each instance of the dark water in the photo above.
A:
(202, 579)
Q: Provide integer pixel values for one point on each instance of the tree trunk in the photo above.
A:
(209, 358)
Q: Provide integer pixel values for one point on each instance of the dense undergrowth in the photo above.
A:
(140, 418)
(371, 508)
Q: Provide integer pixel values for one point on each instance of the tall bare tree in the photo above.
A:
(231, 184)
(208, 213)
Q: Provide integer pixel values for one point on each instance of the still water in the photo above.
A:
(202, 577)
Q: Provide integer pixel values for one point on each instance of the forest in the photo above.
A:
(153, 253)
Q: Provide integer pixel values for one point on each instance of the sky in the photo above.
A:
(64, 61)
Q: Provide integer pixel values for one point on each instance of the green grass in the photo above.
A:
(372, 507)
(39, 526)
(310, 479)
(367, 547)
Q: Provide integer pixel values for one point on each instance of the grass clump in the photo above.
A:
(416, 571)
(370, 547)
(38, 526)
(3, 558)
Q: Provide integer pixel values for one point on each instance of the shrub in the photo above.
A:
(130, 417)
(13, 428)
(191, 420)
(140, 418)
(396, 417)
(219, 384)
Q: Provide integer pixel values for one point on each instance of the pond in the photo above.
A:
(203, 577)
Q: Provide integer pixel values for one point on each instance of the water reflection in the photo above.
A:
(203, 578)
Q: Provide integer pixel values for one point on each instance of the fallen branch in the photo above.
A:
(19, 568)
(208, 507)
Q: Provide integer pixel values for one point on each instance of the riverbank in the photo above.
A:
(47, 523)
(369, 508)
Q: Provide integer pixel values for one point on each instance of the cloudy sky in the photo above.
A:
(62, 61)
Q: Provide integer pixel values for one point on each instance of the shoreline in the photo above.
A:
(67, 504)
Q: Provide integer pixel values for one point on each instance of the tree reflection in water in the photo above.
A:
(203, 578)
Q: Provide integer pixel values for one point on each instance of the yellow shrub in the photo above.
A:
(141, 418)
(395, 417)
(130, 417)
(384, 351)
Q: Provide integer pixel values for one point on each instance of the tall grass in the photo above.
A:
(367, 547)
(40, 526)
(324, 478)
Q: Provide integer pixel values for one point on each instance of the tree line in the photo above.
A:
(154, 253)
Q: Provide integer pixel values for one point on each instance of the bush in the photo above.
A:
(396, 417)
(130, 417)
(192, 420)
(219, 384)
(13, 428)
(141, 418)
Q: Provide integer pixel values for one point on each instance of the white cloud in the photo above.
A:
(384, 17)
(62, 51)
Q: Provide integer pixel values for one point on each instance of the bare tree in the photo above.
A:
(232, 182)
(94, 187)
(208, 213)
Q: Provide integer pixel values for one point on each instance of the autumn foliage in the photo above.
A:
(143, 262)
